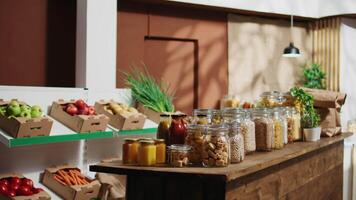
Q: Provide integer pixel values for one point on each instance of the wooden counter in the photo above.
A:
(303, 170)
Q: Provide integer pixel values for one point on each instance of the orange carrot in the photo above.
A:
(73, 178)
(59, 180)
(65, 177)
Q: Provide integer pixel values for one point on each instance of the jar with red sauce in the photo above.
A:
(178, 129)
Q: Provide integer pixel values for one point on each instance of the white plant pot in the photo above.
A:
(312, 134)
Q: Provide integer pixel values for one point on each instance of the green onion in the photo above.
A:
(147, 91)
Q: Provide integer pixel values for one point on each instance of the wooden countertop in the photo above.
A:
(252, 163)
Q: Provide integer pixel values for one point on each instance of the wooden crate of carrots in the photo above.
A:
(69, 183)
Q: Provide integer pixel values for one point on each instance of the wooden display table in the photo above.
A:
(303, 170)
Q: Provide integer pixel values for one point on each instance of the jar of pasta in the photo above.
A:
(268, 99)
(160, 151)
(278, 130)
(195, 140)
(147, 153)
(216, 146)
(230, 101)
(264, 129)
(163, 127)
(216, 116)
(294, 125)
(130, 151)
(179, 155)
(202, 116)
(237, 150)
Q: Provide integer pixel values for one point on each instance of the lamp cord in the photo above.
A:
(291, 26)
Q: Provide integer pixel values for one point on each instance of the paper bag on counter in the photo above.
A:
(112, 186)
(328, 104)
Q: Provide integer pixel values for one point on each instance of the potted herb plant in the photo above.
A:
(311, 128)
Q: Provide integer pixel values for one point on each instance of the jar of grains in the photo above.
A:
(202, 116)
(278, 130)
(294, 126)
(237, 150)
(216, 146)
(194, 139)
(263, 129)
(216, 116)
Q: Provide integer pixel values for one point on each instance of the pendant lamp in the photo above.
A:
(291, 51)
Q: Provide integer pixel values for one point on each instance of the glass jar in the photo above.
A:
(146, 153)
(230, 115)
(263, 129)
(163, 127)
(202, 116)
(178, 155)
(282, 115)
(294, 126)
(288, 100)
(177, 130)
(268, 99)
(278, 130)
(237, 150)
(216, 146)
(195, 140)
(160, 151)
(230, 101)
(216, 116)
(248, 132)
(130, 151)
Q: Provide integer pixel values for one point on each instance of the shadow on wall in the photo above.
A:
(255, 55)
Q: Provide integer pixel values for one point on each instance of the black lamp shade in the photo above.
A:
(291, 51)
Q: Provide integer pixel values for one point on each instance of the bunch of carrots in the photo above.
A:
(70, 177)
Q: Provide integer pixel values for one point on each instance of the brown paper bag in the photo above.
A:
(112, 186)
(328, 104)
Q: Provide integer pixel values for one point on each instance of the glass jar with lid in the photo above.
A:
(202, 116)
(288, 100)
(248, 132)
(130, 151)
(178, 155)
(268, 99)
(146, 153)
(264, 129)
(236, 140)
(160, 151)
(216, 116)
(278, 129)
(282, 115)
(195, 139)
(163, 127)
(216, 146)
(230, 115)
(230, 101)
(178, 129)
(294, 124)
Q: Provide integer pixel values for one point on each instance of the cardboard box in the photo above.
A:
(39, 196)
(19, 127)
(78, 123)
(152, 115)
(122, 122)
(71, 192)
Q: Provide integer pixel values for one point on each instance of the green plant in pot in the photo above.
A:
(314, 77)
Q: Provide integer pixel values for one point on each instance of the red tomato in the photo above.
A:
(14, 186)
(4, 189)
(27, 182)
(15, 180)
(71, 109)
(91, 110)
(24, 190)
(84, 111)
(80, 104)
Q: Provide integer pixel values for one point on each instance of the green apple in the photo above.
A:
(25, 108)
(13, 109)
(36, 111)
(3, 110)
(25, 113)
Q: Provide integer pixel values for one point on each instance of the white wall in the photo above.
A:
(347, 85)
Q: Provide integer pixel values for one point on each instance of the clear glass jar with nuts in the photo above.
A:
(216, 147)
(202, 116)
(237, 150)
(178, 155)
(195, 140)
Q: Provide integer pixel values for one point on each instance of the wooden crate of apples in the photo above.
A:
(121, 116)
(22, 120)
(78, 115)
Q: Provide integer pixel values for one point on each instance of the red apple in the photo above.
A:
(14, 186)
(11, 193)
(4, 189)
(27, 182)
(15, 180)
(25, 190)
(72, 109)
(91, 110)
(4, 181)
(84, 111)
(80, 104)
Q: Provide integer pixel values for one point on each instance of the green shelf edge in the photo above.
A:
(17, 142)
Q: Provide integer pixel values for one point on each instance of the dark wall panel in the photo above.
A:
(37, 42)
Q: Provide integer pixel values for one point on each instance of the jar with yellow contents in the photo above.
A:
(147, 153)
(160, 151)
(129, 151)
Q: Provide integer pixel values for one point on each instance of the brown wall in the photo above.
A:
(37, 42)
(185, 47)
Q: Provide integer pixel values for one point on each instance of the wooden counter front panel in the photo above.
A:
(318, 175)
